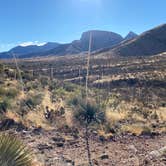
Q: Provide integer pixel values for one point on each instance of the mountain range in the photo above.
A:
(148, 43)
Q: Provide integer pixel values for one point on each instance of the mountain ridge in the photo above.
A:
(149, 42)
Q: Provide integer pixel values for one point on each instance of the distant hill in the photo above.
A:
(148, 43)
(130, 35)
(24, 51)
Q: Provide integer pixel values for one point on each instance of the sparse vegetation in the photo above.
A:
(120, 102)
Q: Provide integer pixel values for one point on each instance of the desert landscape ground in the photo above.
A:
(127, 94)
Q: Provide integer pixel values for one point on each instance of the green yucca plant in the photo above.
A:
(13, 152)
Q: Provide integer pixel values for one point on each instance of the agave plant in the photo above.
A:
(13, 152)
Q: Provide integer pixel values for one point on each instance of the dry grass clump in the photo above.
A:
(136, 129)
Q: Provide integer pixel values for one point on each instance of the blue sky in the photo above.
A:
(39, 21)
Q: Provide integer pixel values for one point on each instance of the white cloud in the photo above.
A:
(29, 43)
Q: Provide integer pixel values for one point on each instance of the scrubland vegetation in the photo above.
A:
(124, 98)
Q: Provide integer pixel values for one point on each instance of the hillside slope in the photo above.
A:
(149, 43)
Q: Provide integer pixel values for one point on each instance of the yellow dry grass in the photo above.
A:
(120, 113)
(105, 136)
(47, 100)
(69, 118)
(13, 115)
(138, 118)
(113, 116)
(161, 112)
(36, 118)
(134, 129)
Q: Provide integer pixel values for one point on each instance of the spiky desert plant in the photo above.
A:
(88, 113)
(13, 152)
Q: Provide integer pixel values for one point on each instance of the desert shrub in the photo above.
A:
(69, 87)
(33, 101)
(88, 113)
(112, 101)
(10, 93)
(55, 84)
(136, 110)
(24, 108)
(33, 85)
(13, 152)
(2, 91)
(111, 128)
(4, 105)
(74, 100)
(155, 116)
(44, 81)
(27, 76)
(145, 112)
(52, 86)
(60, 92)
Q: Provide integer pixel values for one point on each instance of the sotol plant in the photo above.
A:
(88, 113)
(13, 152)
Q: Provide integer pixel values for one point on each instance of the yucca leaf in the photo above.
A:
(13, 152)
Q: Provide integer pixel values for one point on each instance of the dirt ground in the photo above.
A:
(60, 149)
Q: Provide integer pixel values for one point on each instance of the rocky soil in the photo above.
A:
(54, 148)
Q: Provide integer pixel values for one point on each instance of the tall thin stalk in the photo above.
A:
(88, 63)
(19, 72)
(86, 86)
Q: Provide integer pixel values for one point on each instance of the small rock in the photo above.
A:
(42, 147)
(157, 153)
(104, 156)
(72, 142)
(69, 162)
(37, 131)
(58, 139)
(95, 162)
(133, 149)
(60, 144)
